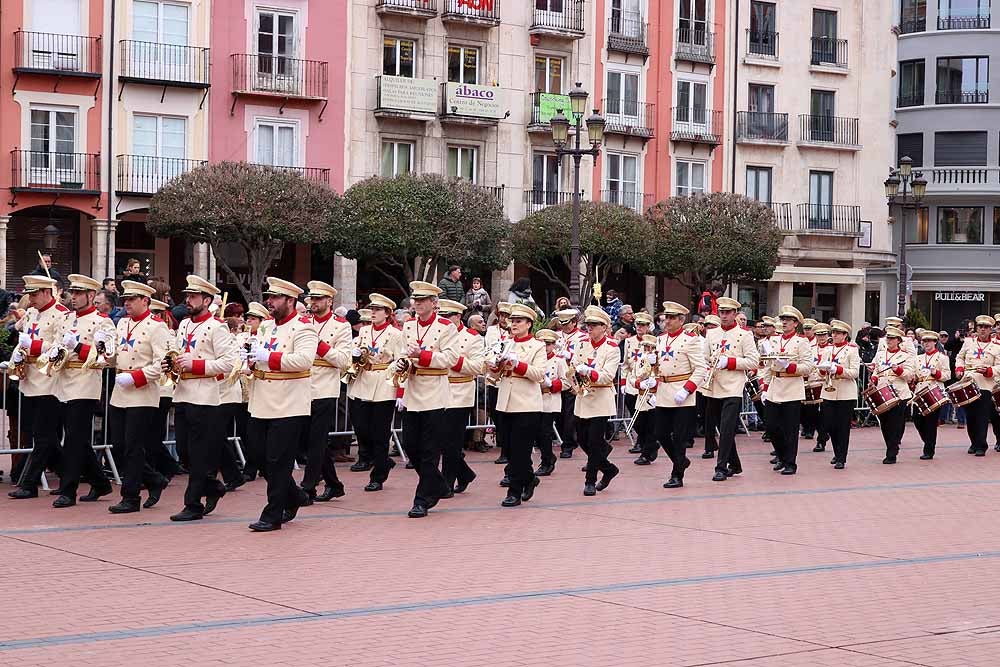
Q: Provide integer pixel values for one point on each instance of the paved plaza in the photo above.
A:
(872, 566)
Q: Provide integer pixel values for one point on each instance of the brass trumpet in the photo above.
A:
(18, 370)
(581, 385)
(49, 363)
(362, 363)
(174, 370)
(397, 378)
(98, 353)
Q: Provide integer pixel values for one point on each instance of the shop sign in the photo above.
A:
(405, 94)
(465, 99)
(549, 104)
(959, 296)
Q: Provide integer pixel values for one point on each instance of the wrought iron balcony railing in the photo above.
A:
(536, 200)
(980, 95)
(696, 125)
(562, 16)
(419, 8)
(315, 174)
(761, 126)
(55, 172)
(832, 219)
(627, 35)
(62, 55)
(144, 175)
(695, 45)
(168, 64)
(637, 201)
(265, 74)
(762, 44)
(832, 130)
(628, 117)
(485, 12)
(977, 22)
(829, 51)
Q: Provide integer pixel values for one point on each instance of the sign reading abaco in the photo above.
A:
(959, 296)
(400, 93)
(464, 99)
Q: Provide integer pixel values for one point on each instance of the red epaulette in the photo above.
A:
(852, 345)
(61, 308)
(613, 343)
(306, 319)
(339, 318)
(444, 320)
(691, 333)
(220, 320)
(100, 314)
(155, 318)
(745, 328)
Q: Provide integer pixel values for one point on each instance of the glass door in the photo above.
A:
(622, 106)
(824, 36)
(820, 200)
(545, 179)
(692, 108)
(276, 67)
(53, 147)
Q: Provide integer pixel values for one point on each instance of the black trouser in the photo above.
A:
(520, 430)
(423, 433)
(568, 421)
(229, 462)
(131, 429)
(837, 416)
(365, 454)
(711, 415)
(544, 436)
(201, 426)
(893, 424)
(156, 451)
(320, 456)
(726, 413)
(927, 428)
(977, 417)
(40, 426)
(813, 423)
(590, 435)
(644, 424)
(761, 414)
(79, 458)
(453, 465)
(278, 440)
(373, 426)
(783, 428)
(673, 427)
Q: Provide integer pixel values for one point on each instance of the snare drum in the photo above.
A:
(929, 399)
(963, 392)
(755, 388)
(881, 399)
(814, 393)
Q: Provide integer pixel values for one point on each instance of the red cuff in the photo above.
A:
(425, 358)
(989, 372)
(399, 393)
(593, 376)
(791, 369)
(521, 368)
(198, 366)
(139, 378)
(458, 366)
(690, 386)
(766, 386)
(840, 370)
(36, 348)
(960, 369)
(621, 383)
(274, 361)
(637, 383)
(556, 386)
(322, 349)
(731, 364)
(937, 375)
(84, 352)
(898, 370)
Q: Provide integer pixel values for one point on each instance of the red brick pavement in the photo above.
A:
(872, 566)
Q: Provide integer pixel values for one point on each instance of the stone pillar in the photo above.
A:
(502, 280)
(778, 294)
(201, 255)
(112, 228)
(851, 304)
(651, 295)
(3, 250)
(345, 279)
(98, 249)
(212, 273)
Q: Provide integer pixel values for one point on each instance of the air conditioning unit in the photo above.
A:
(68, 62)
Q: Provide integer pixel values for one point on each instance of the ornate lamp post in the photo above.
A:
(906, 188)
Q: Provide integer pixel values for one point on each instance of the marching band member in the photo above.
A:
(894, 366)
(281, 400)
(79, 388)
(552, 389)
(810, 413)
(981, 357)
(761, 341)
(733, 351)
(333, 353)
(496, 333)
(462, 385)
(784, 378)
(519, 402)
(257, 315)
(428, 355)
(232, 404)
(596, 362)
(142, 345)
(373, 398)
(206, 351)
(906, 344)
(633, 355)
(841, 361)
(821, 340)
(157, 454)
(933, 369)
(364, 462)
(570, 338)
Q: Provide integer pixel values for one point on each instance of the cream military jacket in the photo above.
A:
(602, 357)
(495, 334)
(632, 364)
(845, 375)
(680, 365)
(232, 392)
(555, 371)
(895, 368)
(815, 348)
(739, 348)
(519, 389)
(906, 345)
(213, 353)
(282, 385)
(788, 385)
(73, 382)
(142, 344)
(933, 369)
(977, 354)
(571, 341)
(427, 387)
(42, 325)
(462, 376)
(386, 344)
(333, 354)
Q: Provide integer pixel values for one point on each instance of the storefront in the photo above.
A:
(950, 310)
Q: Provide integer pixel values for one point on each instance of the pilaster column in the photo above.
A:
(201, 255)
(851, 304)
(3, 250)
(98, 249)
(345, 279)
(651, 295)
(112, 228)
(502, 280)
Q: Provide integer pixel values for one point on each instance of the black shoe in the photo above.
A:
(310, 497)
(373, 486)
(566, 454)
(834, 461)
(708, 455)
(154, 495)
(211, 502)
(232, 486)
(529, 490)
(583, 468)
(779, 466)
(461, 486)
(55, 492)
(606, 479)
(972, 449)
(926, 457)
(774, 459)
(249, 477)
(95, 493)
(730, 472)
(329, 493)
(125, 507)
(673, 483)
(807, 436)
(820, 447)
(839, 465)
(981, 453)
(450, 493)
(64, 501)
(719, 476)
(361, 466)
(187, 515)
(635, 449)
(889, 460)
(689, 445)
(288, 515)
(22, 493)
(264, 526)
(589, 489)
(410, 466)
(510, 501)
(545, 470)
(774, 452)
(765, 438)
(642, 461)
(790, 470)
(501, 460)
(505, 482)
(417, 512)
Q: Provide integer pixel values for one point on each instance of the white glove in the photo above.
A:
(566, 354)
(622, 388)
(510, 355)
(53, 352)
(24, 340)
(828, 366)
(17, 356)
(583, 369)
(681, 396)
(260, 354)
(783, 364)
(722, 363)
(548, 381)
(765, 347)
(651, 358)
(401, 365)
(124, 380)
(652, 401)
(400, 405)
(356, 353)
(648, 383)
(101, 337)
(69, 340)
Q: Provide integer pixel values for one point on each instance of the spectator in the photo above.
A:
(660, 324)
(741, 319)
(626, 321)
(133, 271)
(613, 309)
(477, 297)
(353, 317)
(451, 284)
(111, 285)
(402, 316)
(106, 304)
(45, 268)
(708, 304)
(520, 292)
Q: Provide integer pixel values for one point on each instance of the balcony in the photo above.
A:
(495, 190)
(560, 18)
(696, 126)
(910, 99)
(58, 55)
(762, 45)
(696, 46)
(144, 175)
(827, 220)
(782, 214)
(758, 127)
(403, 97)
(980, 95)
(910, 26)
(536, 200)
(57, 173)
(627, 35)
(637, 201)
(543, 107)
(164, 64)
(829, 52)
(421, 9)
(829, 132)
(279, 76)
(978, 22)
(628, 117)
(485, 13)
(314, 174)
(967, 181)
(469, 104)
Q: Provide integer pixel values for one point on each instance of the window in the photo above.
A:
(759, 184)
(763, 24)
(911, 146)
(276, 143)
(917, 226)
(821, 119)
(545, 178)
(959, 149)
(912, 16)
(693, 22)
(159, 144)
(996, 225)
(548, 74)
(622, 105)
(622, 180)
(963, 80)
(462, 162)
(463, 64)
(820, 199)
(824, 37)
(549, 5)
(159, 22)
(626, 18)
(398, 57)
(963, 14)
(690, 178)
(275, 43)
(911, 83)
(397, 158)
(692, 104)
(53, 140)
(960, 224)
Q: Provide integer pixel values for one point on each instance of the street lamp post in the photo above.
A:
(906, 188)
(560, 136)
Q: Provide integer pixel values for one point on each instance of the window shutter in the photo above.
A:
(912, 146)
(959, 149)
